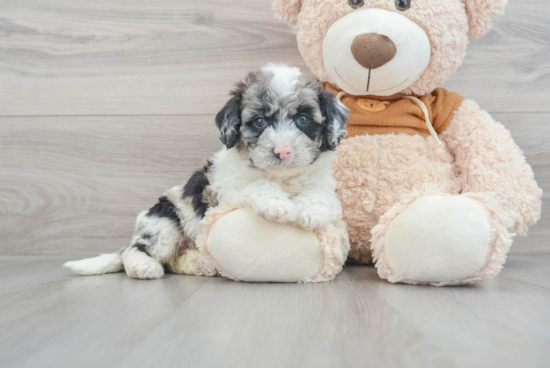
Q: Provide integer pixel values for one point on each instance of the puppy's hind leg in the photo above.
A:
(140, 265)
(157, 238)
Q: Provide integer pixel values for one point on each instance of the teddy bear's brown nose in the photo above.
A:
(373, 50)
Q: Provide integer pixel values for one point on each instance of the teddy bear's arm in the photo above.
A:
(489, 161)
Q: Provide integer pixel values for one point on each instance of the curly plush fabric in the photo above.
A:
(334, 243)
(488, 160)
(380, 176)
(207, 223)
(375, 172)
(288, 10)
(448, 25)
(481, 13)
(500, 242)
(445, 23)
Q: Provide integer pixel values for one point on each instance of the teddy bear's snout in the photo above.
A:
(373, 50)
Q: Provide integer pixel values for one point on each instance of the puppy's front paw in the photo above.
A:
(277, 210)
(314, 217)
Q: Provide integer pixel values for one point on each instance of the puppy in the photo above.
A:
(280, 130)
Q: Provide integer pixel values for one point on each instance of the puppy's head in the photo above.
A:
(279, 118)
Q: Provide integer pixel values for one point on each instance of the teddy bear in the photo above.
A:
(433, 189)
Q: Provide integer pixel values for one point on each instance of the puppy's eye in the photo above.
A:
(260, 123)
(356, 3)
(303, 120)
(402, 4)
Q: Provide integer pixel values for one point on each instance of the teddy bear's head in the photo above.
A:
(382, 47)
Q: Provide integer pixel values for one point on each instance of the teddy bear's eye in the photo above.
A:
(356, 3)
(403, 4)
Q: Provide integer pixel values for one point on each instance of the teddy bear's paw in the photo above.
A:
(314, 217)
(143, 267)
(438, 240)
(193, 262)
(277, 210)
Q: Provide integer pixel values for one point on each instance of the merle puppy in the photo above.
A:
(280, 130)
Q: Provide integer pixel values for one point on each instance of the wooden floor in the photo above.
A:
(51, 318)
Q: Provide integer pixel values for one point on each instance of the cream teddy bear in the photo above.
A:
(433, 188)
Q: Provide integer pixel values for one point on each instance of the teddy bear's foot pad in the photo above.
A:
(258, 250)
(438, 239)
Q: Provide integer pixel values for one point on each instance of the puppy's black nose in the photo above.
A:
(373, 50)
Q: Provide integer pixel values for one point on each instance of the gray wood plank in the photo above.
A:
(505, 69)
(68, 57)
(532, 134)
(78, 57)
(50, 318)
(73, 185)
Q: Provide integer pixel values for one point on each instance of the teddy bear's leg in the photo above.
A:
(442, 239)
(360, 252)
(244, 246)
(335, 246)
(193, 262)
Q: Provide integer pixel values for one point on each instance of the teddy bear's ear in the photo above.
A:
(481, 13)
(287, 10)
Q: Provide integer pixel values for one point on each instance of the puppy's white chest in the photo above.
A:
(293, 189)
(292, 185)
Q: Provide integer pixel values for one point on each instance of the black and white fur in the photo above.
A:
(276, 105)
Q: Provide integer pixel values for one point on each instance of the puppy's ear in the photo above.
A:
(228, 121)
(287, 10)
(481, 13)
(336, 119)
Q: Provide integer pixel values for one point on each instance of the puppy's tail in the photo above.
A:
(100, 265)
